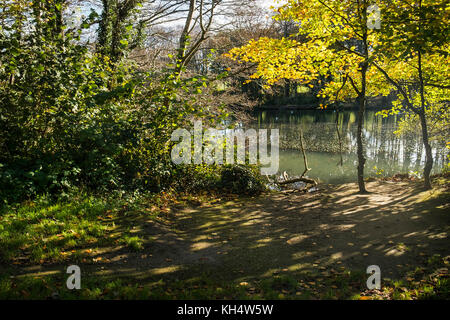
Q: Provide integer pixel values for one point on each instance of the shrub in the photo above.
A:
(70, 118)
(241, 179)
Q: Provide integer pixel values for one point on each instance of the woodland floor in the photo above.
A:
(309, 236)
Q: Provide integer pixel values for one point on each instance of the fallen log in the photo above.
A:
(305, 180)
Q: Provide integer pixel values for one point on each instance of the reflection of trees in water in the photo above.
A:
(382, 145)
(318, 137)
(319, 133)
(406, 150)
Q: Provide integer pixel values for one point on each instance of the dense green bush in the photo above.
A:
(192, 178)
(64, 118)
(71, 118)
(114, 134)
(236, 179)
(241, 179)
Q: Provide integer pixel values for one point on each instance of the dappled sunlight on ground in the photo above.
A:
(395, 227)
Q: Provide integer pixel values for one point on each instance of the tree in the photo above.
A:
(335, 46)
(413, 55)
(113, 27)
(123, 24)
(68, 119)
(200, 15)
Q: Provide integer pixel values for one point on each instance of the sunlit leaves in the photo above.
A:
(331, 30)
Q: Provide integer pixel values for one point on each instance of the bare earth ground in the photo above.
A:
(397, 226)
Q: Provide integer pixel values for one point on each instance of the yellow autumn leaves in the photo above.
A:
(326, 47)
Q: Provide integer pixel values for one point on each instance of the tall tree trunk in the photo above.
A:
(184, 38)
(423, 123)
(359, 142)
(362, 104)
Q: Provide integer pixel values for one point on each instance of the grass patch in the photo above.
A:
(47, 231)
(43, 231)
(53, 231)
(134, 243)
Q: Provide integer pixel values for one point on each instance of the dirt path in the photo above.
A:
(396, 227)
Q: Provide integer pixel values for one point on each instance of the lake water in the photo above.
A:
(386, 153)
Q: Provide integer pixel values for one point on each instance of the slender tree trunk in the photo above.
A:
(362, 105)
(359, 142)
(184, 38)
(423, 123)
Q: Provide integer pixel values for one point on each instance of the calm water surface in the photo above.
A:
(386, 153)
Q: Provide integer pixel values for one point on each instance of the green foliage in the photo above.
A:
(192, 178)
(242, 179)
(56, 131)
(71, 118)
(236, 179)
(44, 230)
(135, 242)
